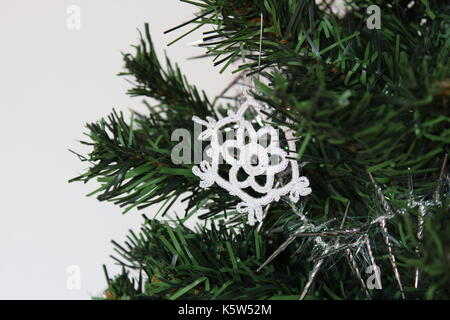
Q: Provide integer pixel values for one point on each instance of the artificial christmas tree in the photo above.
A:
(366, 100)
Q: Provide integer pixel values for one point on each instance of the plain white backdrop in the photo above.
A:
(52, 81)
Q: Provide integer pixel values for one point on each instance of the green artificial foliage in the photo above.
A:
(371, 110)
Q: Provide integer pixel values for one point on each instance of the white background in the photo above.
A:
(52, 81)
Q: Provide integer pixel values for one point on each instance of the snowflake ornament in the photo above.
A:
(253, 154)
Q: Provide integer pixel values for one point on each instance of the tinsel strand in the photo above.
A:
(386, 239)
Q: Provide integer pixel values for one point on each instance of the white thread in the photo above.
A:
(248, 151)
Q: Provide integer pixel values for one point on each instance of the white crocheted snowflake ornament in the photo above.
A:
(255, 154)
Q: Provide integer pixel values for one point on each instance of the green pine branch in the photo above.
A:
(171, 262)
(131, 159)
(365, 103)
